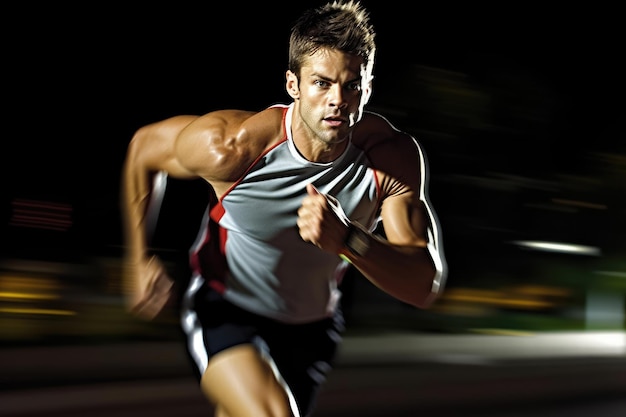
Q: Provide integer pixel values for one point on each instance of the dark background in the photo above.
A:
(78, 80)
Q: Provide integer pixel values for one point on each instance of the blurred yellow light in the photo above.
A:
(498, 300)
(27, 296)
(41, 311)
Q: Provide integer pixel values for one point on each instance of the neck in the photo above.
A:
(315, 150)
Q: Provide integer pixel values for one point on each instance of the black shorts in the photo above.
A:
(302, 353)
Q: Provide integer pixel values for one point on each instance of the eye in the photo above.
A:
(355, 86)
(321, 83)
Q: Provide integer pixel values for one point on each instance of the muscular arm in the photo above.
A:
(215, 147)
(406, 264)
(151, 152)
(409, 263)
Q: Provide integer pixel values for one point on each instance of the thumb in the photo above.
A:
(311, 190)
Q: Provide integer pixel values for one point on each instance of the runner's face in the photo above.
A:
(330, 94)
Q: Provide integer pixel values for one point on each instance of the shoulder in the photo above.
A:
(395, 155)
(224, 124)
(380, 139)
(221, 144)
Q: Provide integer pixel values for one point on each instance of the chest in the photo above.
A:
(264, 203)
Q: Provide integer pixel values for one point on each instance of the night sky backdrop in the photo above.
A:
(79, 80)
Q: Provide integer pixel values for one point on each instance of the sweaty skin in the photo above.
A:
(218, 147)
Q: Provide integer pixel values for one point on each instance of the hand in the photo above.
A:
(149, 288)
(321, 221)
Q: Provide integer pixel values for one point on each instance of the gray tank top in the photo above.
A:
(249, 247)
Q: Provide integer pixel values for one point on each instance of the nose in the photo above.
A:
(338, 96)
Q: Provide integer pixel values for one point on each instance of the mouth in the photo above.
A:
(334, 121)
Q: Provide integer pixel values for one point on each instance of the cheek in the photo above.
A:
(313, 95)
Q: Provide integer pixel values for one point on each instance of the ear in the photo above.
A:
(292, 85)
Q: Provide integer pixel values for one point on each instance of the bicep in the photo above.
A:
(401, 171)
(153, 148)
(405, 220)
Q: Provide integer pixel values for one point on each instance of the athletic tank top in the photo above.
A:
(249, 248)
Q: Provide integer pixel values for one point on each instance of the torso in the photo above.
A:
(250, 248)
(269, 269)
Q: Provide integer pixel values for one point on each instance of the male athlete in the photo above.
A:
(297, 190)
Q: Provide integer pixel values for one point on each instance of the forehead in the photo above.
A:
(332, 63)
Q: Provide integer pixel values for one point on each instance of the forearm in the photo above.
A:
(136, 198)
(151, 157)
(408, 273)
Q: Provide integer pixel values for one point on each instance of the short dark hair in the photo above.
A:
(340, 24)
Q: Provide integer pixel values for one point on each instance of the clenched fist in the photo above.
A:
(321, 221)
(148, 287)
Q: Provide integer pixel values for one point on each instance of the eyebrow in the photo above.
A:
(317, 75)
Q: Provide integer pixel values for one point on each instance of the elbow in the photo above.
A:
(423, 301)
(430, 291)
(427, 301)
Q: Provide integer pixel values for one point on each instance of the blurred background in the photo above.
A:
(518, 106)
